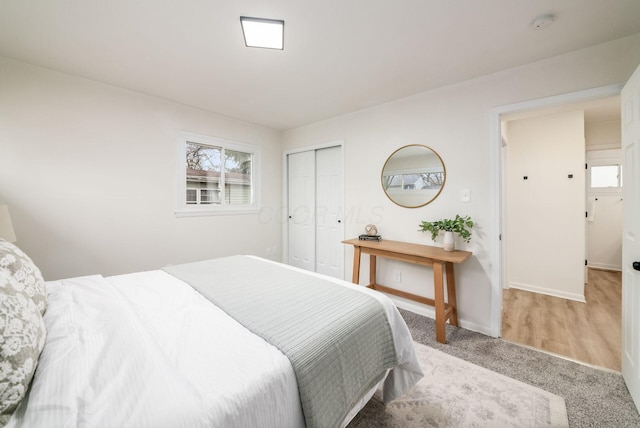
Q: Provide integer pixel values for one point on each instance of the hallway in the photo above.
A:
(588, 332)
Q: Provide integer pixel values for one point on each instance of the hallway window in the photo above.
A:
(606, 176)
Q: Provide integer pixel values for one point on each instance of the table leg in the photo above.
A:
(355, 278)
(441, 335)
(451, 294)
(372, 270)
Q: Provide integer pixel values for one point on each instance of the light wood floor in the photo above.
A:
(588, 332)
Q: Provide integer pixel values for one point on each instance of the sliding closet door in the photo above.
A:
(329, 227)
(301, 189)
(315, 194)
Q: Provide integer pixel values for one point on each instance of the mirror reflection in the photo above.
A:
(413, 176)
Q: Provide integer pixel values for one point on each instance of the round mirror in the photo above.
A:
(413, 176)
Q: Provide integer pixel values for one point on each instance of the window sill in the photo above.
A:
(186, 212)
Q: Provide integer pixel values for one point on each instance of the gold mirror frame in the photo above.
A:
(411, 165)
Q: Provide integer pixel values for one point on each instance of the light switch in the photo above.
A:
(465, 195)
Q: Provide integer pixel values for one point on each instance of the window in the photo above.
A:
(604, 172)
(216, 176)
(606, 176)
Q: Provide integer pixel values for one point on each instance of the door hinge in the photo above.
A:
(586, 214)
(500, 237)
(585, 166)
(585, 262)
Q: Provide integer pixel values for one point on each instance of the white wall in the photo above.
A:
(545, 212)
(89, 173)
(454, 121)
(603, 135)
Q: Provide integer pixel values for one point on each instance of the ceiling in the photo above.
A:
(598, 110)
(339, 56)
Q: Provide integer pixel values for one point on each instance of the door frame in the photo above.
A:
(498, 217)
(285, 190)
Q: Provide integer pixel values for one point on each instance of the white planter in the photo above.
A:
(448, 243)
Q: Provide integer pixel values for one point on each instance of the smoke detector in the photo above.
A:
(543, 21)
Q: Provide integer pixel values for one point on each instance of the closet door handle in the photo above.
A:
(636, 265)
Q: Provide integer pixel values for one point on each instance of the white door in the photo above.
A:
(329, 226)
(630, 99)
(301, 215)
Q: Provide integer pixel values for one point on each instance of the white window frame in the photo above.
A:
(604, 158)
(183, 209)
(617, 166)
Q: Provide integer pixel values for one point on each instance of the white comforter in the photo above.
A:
(146, 350)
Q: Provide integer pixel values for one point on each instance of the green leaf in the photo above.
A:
(459, 225)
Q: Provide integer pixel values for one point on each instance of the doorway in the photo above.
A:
(588, 332)
(314, 195)
(592, 103)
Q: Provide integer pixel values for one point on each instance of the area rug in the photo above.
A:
(455, 393)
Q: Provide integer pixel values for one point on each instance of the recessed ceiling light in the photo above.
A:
(263, 33)
(543, 21)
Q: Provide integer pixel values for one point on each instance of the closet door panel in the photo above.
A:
(301, 215)
(329, 226)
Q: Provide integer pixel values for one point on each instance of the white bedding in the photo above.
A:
(146, 350)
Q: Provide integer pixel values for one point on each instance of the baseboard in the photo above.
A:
(429, 312)
(415, 307)
(548, 291)
(605, 266)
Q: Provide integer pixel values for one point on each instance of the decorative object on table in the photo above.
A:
(370, 237)
(371, 229)
(459, 225)
(370, 233)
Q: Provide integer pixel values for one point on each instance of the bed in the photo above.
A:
(155, 349)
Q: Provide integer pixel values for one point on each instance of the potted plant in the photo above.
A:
(460, 225)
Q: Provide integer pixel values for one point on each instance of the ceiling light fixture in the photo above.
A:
(543, 21)
(263, 33)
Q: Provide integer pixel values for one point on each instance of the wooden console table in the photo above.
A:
(442, 261)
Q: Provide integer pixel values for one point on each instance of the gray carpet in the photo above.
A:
(594, 398)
